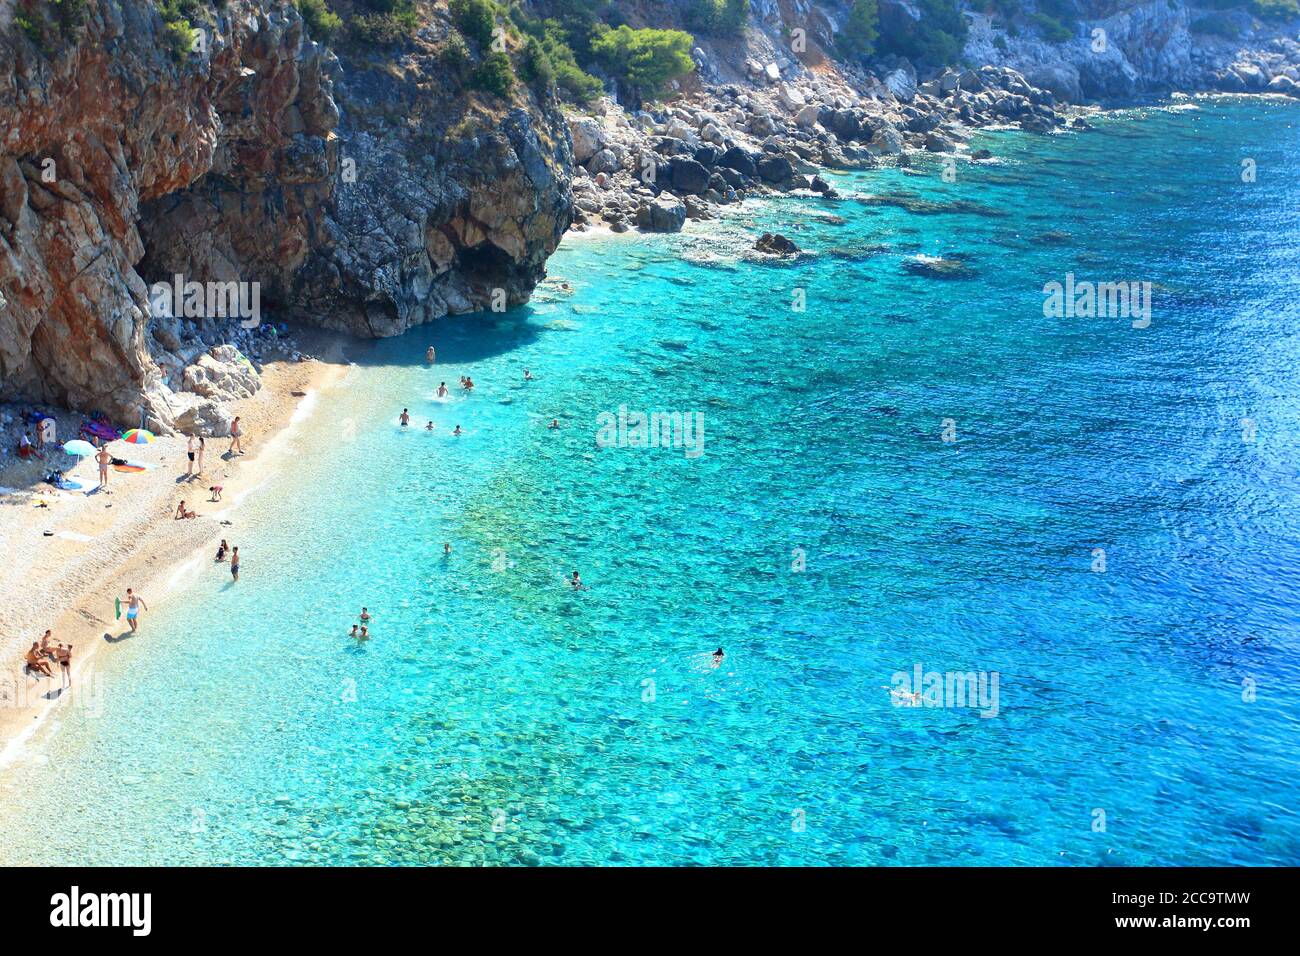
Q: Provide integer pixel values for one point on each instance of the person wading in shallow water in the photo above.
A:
(234, 562)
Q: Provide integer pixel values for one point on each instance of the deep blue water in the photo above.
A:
(909, 470)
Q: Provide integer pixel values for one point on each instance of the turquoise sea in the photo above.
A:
(911, 470)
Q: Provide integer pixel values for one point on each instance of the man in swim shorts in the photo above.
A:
(134, 604)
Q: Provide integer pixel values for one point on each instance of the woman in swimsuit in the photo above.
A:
(442, 389)
(221, 551)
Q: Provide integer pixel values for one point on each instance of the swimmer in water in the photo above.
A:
(528, 376)
(429, 427)
(406, 418)
(469, 384)
(364, 635)
(717, 657)
(442, 389)
(576, 582)
(901, 697)
(355, 631)
(555, 423)
(430, 355)
(458, 431)
(365, 616)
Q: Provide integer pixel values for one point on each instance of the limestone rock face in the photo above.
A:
(664, 213)
(366, 197)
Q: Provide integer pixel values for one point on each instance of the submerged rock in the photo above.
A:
(937, 268)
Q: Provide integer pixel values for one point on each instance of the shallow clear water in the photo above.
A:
(500, 717)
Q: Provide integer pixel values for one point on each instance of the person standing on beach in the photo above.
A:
(103, 458)
(190, 448)
(134, 604)
(198, 469)
(236, 445)
(234, 562)
(65, 666)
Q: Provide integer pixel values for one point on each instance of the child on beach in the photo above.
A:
(216, 493)
(103, 458)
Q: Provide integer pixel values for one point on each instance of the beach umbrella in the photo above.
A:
(79, 448)
(138, 436)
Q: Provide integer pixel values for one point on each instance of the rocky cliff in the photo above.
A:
(367, 194)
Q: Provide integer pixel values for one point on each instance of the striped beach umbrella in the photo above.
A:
(138, 436)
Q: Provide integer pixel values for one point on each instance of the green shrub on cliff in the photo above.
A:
(534, 65)
(322, 22)
(474, 18)
(718, 18)
(178, 37)
(644, 61)
(1275, 9)
(937, 38)
(388, 23)
(494, 74)
(1053, 29)
(858, 38)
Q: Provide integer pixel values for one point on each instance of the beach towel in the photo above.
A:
(128, 468)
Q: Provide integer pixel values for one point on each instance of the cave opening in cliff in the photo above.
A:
(486, 267)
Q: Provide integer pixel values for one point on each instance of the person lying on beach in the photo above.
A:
(442, 389)
(36, 660)
(222, 549)
(405, 418)
(183, 512)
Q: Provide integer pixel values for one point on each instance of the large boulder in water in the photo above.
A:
(664, 213)
(775, 244)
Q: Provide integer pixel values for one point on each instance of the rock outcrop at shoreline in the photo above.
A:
(357, 196)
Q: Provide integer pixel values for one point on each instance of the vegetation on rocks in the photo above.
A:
(643, 61)
(861, 30)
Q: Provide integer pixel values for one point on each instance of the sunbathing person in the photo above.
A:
(183, 512)
(36, 660)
